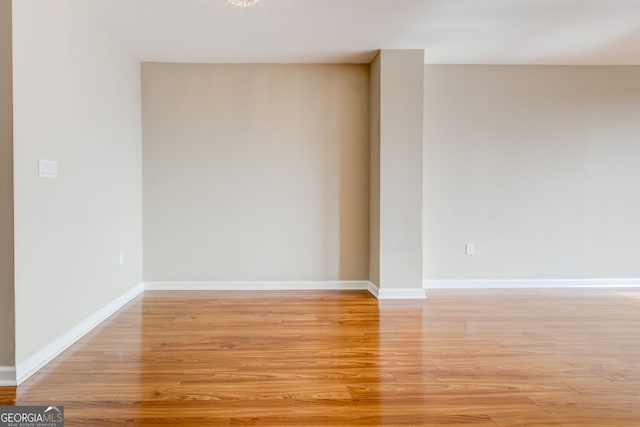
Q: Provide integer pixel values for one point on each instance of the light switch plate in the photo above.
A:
(47, 168)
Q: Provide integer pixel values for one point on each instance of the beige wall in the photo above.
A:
(538, 166)
(374, 173)
(6, 189)
(255, 172)
(77, 101)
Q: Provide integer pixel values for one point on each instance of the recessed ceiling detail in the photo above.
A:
(575, 32)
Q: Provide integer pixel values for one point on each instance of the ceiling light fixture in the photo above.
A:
(243, 3)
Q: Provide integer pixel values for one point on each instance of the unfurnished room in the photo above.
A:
(319, 212)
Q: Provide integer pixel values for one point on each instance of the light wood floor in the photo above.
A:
(569, 357)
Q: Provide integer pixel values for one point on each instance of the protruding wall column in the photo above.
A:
(397, 80)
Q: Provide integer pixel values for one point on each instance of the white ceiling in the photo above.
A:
(450, 31)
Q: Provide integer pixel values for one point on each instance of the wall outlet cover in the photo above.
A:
(47, 168)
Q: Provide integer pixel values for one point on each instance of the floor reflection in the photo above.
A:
(343, 358)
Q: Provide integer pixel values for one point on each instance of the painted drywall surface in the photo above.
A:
(401, 128)
(7, 329)
(538, 166)
(77, 101)
(255, 172)
(374, 173)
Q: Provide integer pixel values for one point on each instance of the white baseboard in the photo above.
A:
(533, 283)
(258, 285)
(38, 360)
(8, 376)
(373, 289)
(401, 293)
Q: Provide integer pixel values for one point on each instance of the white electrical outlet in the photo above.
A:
(121, 258)
(47, 168)
(471, 248)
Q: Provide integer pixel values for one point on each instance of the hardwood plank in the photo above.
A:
(508, 357)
